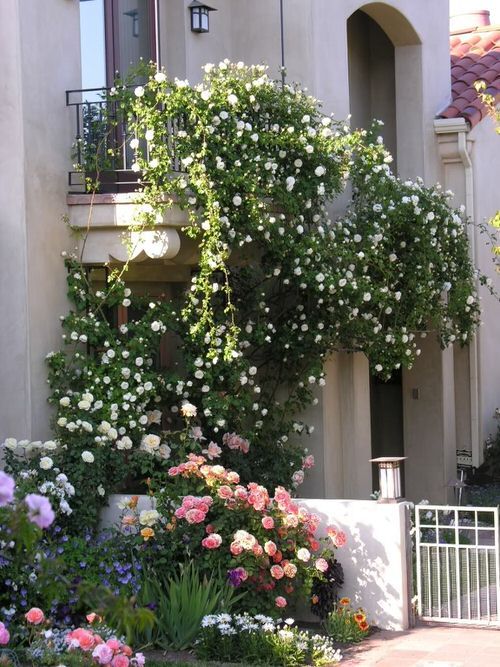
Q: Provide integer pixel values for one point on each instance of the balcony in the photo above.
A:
(102, 188)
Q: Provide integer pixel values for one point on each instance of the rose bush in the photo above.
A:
(266, 545)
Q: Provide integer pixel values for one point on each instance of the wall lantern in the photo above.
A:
(389, 473)
(200, 16)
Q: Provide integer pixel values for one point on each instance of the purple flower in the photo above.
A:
(235, 577)
(40, 510)
(7, 486)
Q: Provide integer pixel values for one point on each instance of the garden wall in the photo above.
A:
(375, 560)
(376, 566)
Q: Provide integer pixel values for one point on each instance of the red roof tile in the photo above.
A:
(475, 56)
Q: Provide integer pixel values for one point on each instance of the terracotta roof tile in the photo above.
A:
(475, 56)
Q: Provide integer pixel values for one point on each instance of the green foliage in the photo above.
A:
(182, 600)
(344, 624)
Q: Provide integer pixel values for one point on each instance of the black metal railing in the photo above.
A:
(102, 156)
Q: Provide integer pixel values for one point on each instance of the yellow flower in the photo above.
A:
(359, 617)
(147, 533)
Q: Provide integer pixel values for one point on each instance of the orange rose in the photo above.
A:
(147, 533)
(133, 502)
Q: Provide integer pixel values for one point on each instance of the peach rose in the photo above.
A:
(277, 572)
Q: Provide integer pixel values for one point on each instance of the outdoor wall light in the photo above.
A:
(389, 473)
(200, 16)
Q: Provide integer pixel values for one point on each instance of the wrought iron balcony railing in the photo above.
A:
(101, 154)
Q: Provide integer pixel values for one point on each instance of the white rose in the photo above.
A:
(155, 326)
(237, 200)
(10, 443)
(64, 401)
(148, 517)
(139, 91)
(165, 451)
(320, 171)
(88, 457)
(50, 445)
(83, 405)
(124, 443)
(150, 442)
(160, 77)
(46, 463)
(188, 409)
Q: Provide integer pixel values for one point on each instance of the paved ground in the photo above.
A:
(428, 646)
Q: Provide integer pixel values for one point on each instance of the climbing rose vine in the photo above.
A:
(280, 281)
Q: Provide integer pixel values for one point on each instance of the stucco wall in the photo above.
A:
(36, 40)
(486, 171)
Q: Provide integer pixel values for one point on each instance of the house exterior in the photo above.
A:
(387, 60)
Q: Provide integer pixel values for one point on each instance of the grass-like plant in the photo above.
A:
(345, 624)
(181, 602)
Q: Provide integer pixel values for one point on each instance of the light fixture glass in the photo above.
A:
(200, 16)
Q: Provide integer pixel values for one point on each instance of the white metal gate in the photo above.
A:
(458, 564)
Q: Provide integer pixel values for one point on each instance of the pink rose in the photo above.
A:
(103, 653)
(120, 661)
(225, 492)
(321, 565)
(113, 644)
(35, 616)
(257, 550)
(280, 602)
(4, 635)
(240, 493)
(340, 539)
(270, 548)
(277, 572)
(308, 462)
(213, 541)
(268, 522)
(235, 548)
(195, 516)
(233, 477)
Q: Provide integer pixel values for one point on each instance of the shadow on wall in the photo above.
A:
(374, 560)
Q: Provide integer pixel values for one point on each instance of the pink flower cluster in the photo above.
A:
(194, 509)
(111, 653)
(236, 442)
(4, 635)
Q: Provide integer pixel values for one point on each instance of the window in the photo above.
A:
(115, 35)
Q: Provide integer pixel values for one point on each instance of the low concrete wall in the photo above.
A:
(376, 567)
(375, 563)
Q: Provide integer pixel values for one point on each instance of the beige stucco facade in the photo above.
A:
(447, 399)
